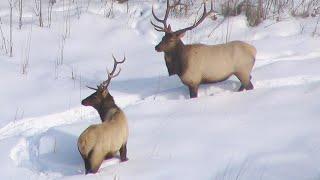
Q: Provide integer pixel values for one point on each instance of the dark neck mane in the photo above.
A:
(175, 57)
(107, 109)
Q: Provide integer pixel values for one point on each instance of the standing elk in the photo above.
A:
(197, 64)
(104, 140)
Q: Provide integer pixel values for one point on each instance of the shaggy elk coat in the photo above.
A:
(104, 140)
(197, 64)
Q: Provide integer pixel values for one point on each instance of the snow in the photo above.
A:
(268, 133)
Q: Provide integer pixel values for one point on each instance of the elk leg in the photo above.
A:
(123, 153)
(95, 161)
(249, 86)
(109, 156)
(193, 90)
(241, 88)
(245, 81)
(87, 165)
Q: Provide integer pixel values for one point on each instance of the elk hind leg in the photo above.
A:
(86, 163)
(123, 153)
(245, 79)
(95, 160)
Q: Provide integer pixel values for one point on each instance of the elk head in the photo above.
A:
(171, 41)
(102, 98)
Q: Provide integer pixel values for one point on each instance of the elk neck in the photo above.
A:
(175, 54)
(107, 108)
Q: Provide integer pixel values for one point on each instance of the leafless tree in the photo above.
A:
(3, 38)
(20, 14)
(38, 11)
(10, 38)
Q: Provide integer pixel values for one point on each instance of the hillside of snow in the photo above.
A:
(269, 133)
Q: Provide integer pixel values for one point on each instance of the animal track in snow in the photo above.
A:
(230, 86)
(31, 126)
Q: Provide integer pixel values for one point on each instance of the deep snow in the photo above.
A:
(268, 133)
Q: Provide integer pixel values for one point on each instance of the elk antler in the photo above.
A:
(92, 88)
(165, 28)
(112, 74)
(196, 23)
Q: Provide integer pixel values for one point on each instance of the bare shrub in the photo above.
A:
(20, 13)
(19, 114)
(258, 10)
(303, 8)
(109, 9)
(50, 6)
(254, 12)
(315, 31)
(5, 43)
(26, 54)
(38, 11)
(122, 1)
(67, 20)
(60, 59)
(10, 37)
(231, 7)
(181, 9)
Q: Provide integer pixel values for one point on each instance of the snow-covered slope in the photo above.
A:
(269, 133)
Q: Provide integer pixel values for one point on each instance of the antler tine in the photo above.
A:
(111, 75)
(92, 88)
(115, 63)
(165, 27)
(203, 17)
(157, 28)
(163, 21)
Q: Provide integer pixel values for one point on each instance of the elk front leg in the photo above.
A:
(123, 153)
(193, 90)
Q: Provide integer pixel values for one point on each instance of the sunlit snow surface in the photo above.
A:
(270, 133)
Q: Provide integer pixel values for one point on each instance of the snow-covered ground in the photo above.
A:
(270, 133)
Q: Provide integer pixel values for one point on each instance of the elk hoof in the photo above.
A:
(124, 159)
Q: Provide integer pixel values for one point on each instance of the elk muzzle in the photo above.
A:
(85, 102)
(157, 48)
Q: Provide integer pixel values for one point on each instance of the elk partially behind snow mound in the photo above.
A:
(104, 140)
(197, 64)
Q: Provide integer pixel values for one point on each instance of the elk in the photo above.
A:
(101, 141)
(197, 64)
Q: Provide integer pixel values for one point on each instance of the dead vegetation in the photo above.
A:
(257, 11)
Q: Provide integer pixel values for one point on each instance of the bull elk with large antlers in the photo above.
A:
(104, 140)
(197, 64)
